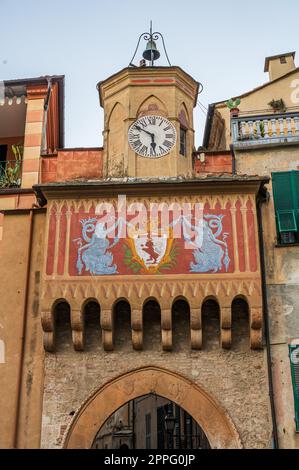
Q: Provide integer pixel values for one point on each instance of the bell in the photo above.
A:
(151, 52)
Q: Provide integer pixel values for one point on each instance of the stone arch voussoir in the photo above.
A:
(209, 414)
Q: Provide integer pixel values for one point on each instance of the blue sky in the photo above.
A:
(220, 43)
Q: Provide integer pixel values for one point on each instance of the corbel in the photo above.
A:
(196, 328)
(77, 324)
(48, 325)
(166, 327)
(256, 323)
(226, 326)
(107, 329)
(137, 328)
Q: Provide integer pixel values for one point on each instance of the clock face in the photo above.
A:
(152, 136)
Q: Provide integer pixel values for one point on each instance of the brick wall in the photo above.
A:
(70, 164)
(213, 162)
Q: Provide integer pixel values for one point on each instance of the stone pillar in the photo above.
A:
(33, 134)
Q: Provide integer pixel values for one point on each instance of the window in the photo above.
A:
(160, 427)
(294, 360)
(283, 59)
(3, 155)
(188, 430)
(177, 428)
(148, 427)
(286, 202)
(183, 141)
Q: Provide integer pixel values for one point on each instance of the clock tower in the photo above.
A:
(148, 122)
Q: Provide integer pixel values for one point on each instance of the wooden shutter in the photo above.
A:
(294, 361)
(296, 196)
(282, 191)
(286, 221)
(286, 200)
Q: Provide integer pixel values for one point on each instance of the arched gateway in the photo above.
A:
(213, 419)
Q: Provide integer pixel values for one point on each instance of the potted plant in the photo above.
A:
(278, 105)
(261, 128)
(10, 176)
(233, 106)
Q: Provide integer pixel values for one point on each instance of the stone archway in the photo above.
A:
(213, 419)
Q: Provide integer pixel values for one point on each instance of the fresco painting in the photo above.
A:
(96, 249)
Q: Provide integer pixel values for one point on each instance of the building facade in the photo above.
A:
(97, 315)
(264, 137)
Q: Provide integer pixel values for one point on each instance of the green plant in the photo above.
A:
(232, 104)
(10, 173)
(18, 150)
(261, 128)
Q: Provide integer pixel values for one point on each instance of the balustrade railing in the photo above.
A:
(263, 130)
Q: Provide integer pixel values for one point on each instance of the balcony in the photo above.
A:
(265, 130)
(10, 174)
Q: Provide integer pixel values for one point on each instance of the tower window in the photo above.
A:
(283, 59)
(183, 141)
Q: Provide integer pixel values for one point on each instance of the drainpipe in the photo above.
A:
(232, 149)
(46, 106)
(261, 198)
(24, 324)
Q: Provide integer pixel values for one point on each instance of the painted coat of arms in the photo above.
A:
(148, 253)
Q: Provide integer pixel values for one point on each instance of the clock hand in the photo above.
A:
(147, 132)
(153, 145)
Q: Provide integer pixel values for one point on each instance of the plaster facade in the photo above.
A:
(281, 262)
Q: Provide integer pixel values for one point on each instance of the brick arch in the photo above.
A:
(209, 414)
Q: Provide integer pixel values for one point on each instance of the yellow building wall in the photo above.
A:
(13, 269)
(257, 101)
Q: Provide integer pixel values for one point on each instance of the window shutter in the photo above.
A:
(282, 191)
(294, 361)
(296, 194)
(286, 221)
(296, 182)
(286, 200)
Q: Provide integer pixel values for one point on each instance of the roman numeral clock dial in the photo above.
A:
(152, 136)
